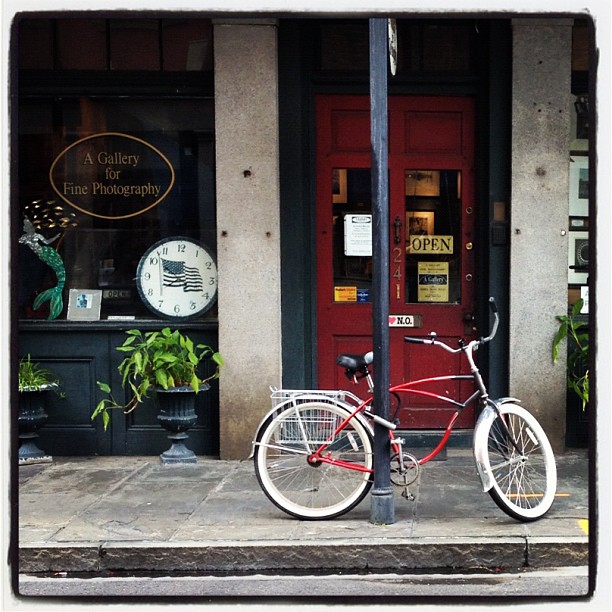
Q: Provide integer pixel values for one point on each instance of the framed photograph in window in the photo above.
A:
(420, 222)
(579, 186)
(84, 305)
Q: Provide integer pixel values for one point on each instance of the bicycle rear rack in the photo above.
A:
(299, 396)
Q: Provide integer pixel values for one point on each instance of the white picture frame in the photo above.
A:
(84, 304)
(579, 186)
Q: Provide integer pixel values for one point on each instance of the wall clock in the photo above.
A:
(177, 278)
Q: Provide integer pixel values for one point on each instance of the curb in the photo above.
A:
(380, 555)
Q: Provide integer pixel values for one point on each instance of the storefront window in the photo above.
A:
(115, 153)
(102, 180)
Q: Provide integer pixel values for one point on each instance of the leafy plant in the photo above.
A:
(157, 359)
(33, 377)
(578, 357)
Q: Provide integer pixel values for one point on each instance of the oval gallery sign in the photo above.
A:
(111, 175)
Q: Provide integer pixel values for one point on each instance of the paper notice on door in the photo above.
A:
(433, 281)
(358, 235)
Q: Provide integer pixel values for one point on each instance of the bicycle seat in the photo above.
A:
(355, 362)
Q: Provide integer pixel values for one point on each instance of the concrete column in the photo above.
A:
(539, 215)
(248, 252)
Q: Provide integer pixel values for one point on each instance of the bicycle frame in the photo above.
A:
(409, 388)
(318, 455)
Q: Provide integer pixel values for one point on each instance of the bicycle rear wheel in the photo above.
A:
(525, 475)
(301, 488)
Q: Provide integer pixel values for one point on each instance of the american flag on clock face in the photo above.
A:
(177, 274)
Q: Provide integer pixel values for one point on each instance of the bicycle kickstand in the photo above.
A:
(404, 471)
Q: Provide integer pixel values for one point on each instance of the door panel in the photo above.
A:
(429, 132)
(350, 130)
(431, 258)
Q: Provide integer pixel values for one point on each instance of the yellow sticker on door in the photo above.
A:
(433, 281)
(345, 294)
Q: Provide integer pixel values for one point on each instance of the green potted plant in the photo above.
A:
(576, 332)
(35, 382)
(165, 364)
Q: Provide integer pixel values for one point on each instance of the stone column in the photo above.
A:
(248, 252)
(541, 90)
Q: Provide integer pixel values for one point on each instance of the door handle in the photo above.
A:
(397, 230)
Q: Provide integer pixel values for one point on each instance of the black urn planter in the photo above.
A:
(177, 414)
(32, 416)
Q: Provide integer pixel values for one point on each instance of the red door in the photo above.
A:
(432, 218)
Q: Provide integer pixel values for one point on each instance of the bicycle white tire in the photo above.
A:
(295, 486)
(524, 480)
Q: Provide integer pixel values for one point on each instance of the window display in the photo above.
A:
(100, 181)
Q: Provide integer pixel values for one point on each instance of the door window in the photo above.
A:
(352, 235)
(433, 236)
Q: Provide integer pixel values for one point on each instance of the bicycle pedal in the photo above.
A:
(407, 495)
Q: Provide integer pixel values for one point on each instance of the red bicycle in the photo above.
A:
(313, 451)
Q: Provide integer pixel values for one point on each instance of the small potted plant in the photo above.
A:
(163, 363)
(576, 332)
(35, 382)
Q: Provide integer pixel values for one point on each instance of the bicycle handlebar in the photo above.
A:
(493, 308)
(416, 340)
(431, 339)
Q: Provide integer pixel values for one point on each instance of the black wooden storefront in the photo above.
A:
(82, 353)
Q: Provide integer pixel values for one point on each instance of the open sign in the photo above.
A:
(418, 245)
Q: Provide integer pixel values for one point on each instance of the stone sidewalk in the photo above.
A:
(132, 514)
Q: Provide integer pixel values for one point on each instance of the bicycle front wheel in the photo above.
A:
(524, 473)
(318, 490)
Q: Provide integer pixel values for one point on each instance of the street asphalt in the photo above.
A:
(119, 515)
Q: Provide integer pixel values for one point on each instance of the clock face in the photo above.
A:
(177, 278)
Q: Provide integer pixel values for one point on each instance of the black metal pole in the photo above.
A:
(382, 510)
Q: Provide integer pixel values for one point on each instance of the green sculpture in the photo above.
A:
(39, 244)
